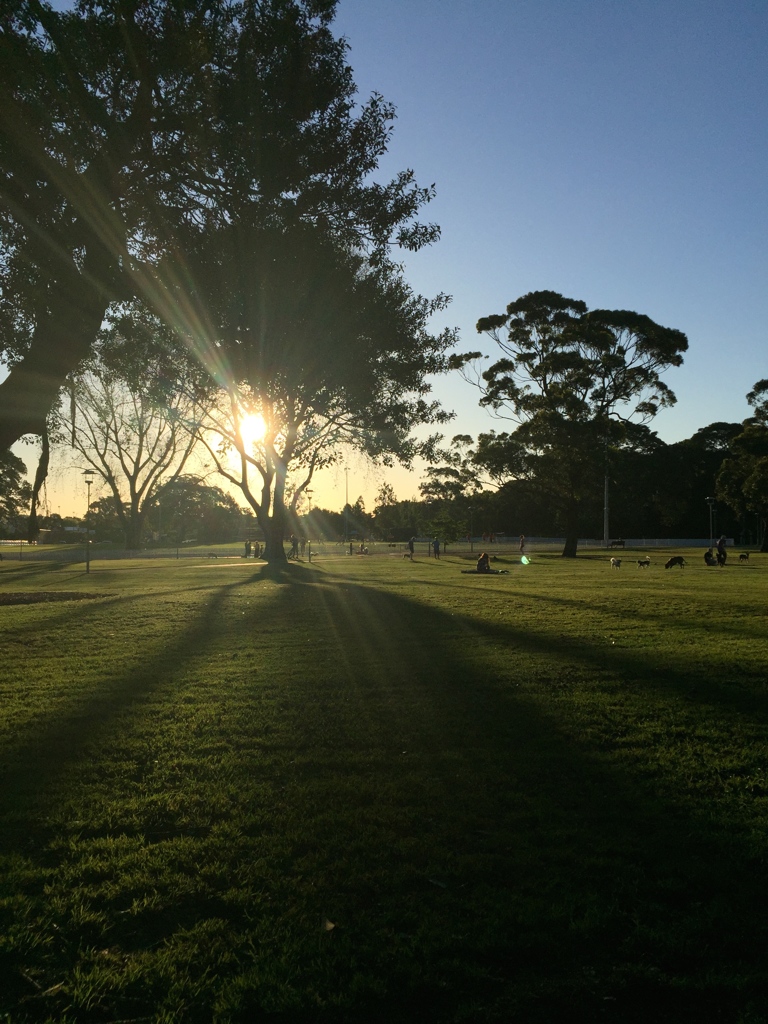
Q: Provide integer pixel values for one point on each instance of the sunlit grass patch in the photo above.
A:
(370, 789)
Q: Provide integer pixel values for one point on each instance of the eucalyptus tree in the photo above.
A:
(129, 128)
(743, 478)
(15, 492)
(316, 345)
(188, 508)
(131, 419)
(575, 383)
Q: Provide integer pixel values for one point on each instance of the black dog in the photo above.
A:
(674, 560)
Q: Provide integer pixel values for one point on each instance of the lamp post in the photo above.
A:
(711, 503)
(471, 541)
(309, 524)
(88, 475)
(346, 504)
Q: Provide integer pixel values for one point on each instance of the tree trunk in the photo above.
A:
(61, 340)
(571, 531)
(134, 530)
(274, 525)
(274, 531)
(571, 543)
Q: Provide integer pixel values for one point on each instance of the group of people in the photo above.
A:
(483, 562)
(434, 545)
(710, 558)
(298, 544)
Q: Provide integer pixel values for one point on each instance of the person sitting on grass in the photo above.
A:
(709, 558)
(484, 562)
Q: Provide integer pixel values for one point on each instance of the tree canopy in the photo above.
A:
(131, 127)
(743, 478)
(131, 419)
(324, 345)
(576, 383)
(15, 493)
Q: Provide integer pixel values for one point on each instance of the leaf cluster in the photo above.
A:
(562, 363)
(15, 491)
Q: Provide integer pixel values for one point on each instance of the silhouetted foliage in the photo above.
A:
(743, 478)
(328, 346)
(129, 132)
(15, 494)
(580, 385)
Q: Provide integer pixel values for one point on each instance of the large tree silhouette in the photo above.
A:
(327, 345)
(130, 128)
(575, 383)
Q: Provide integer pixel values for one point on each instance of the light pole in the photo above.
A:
(88, 474)
(309, 524)
(471, 541)
(711, 503)
(346, 503)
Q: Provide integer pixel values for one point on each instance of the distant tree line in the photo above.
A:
(662, 490)
(659, 491)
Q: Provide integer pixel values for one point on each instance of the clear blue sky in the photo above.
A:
(614, 151)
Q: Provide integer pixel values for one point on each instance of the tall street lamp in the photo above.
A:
(346, 504)
(88, 475)
(471, 539)
(711, 503)
(309, 524)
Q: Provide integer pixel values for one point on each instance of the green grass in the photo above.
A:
(369, 791)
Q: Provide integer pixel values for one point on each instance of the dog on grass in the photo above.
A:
(615, 563)
(643, 563)
(673, 561)
(744, 556)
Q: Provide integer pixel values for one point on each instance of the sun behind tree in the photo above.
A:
(252, 430)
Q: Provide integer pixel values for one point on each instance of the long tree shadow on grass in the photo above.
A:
(570, 889)
(31, 767)
(466, 855)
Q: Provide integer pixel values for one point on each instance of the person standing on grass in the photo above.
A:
(410, 547)
(436, 547)
(722, 554)
(522, 545)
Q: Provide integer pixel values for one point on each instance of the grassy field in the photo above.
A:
(370, 790)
